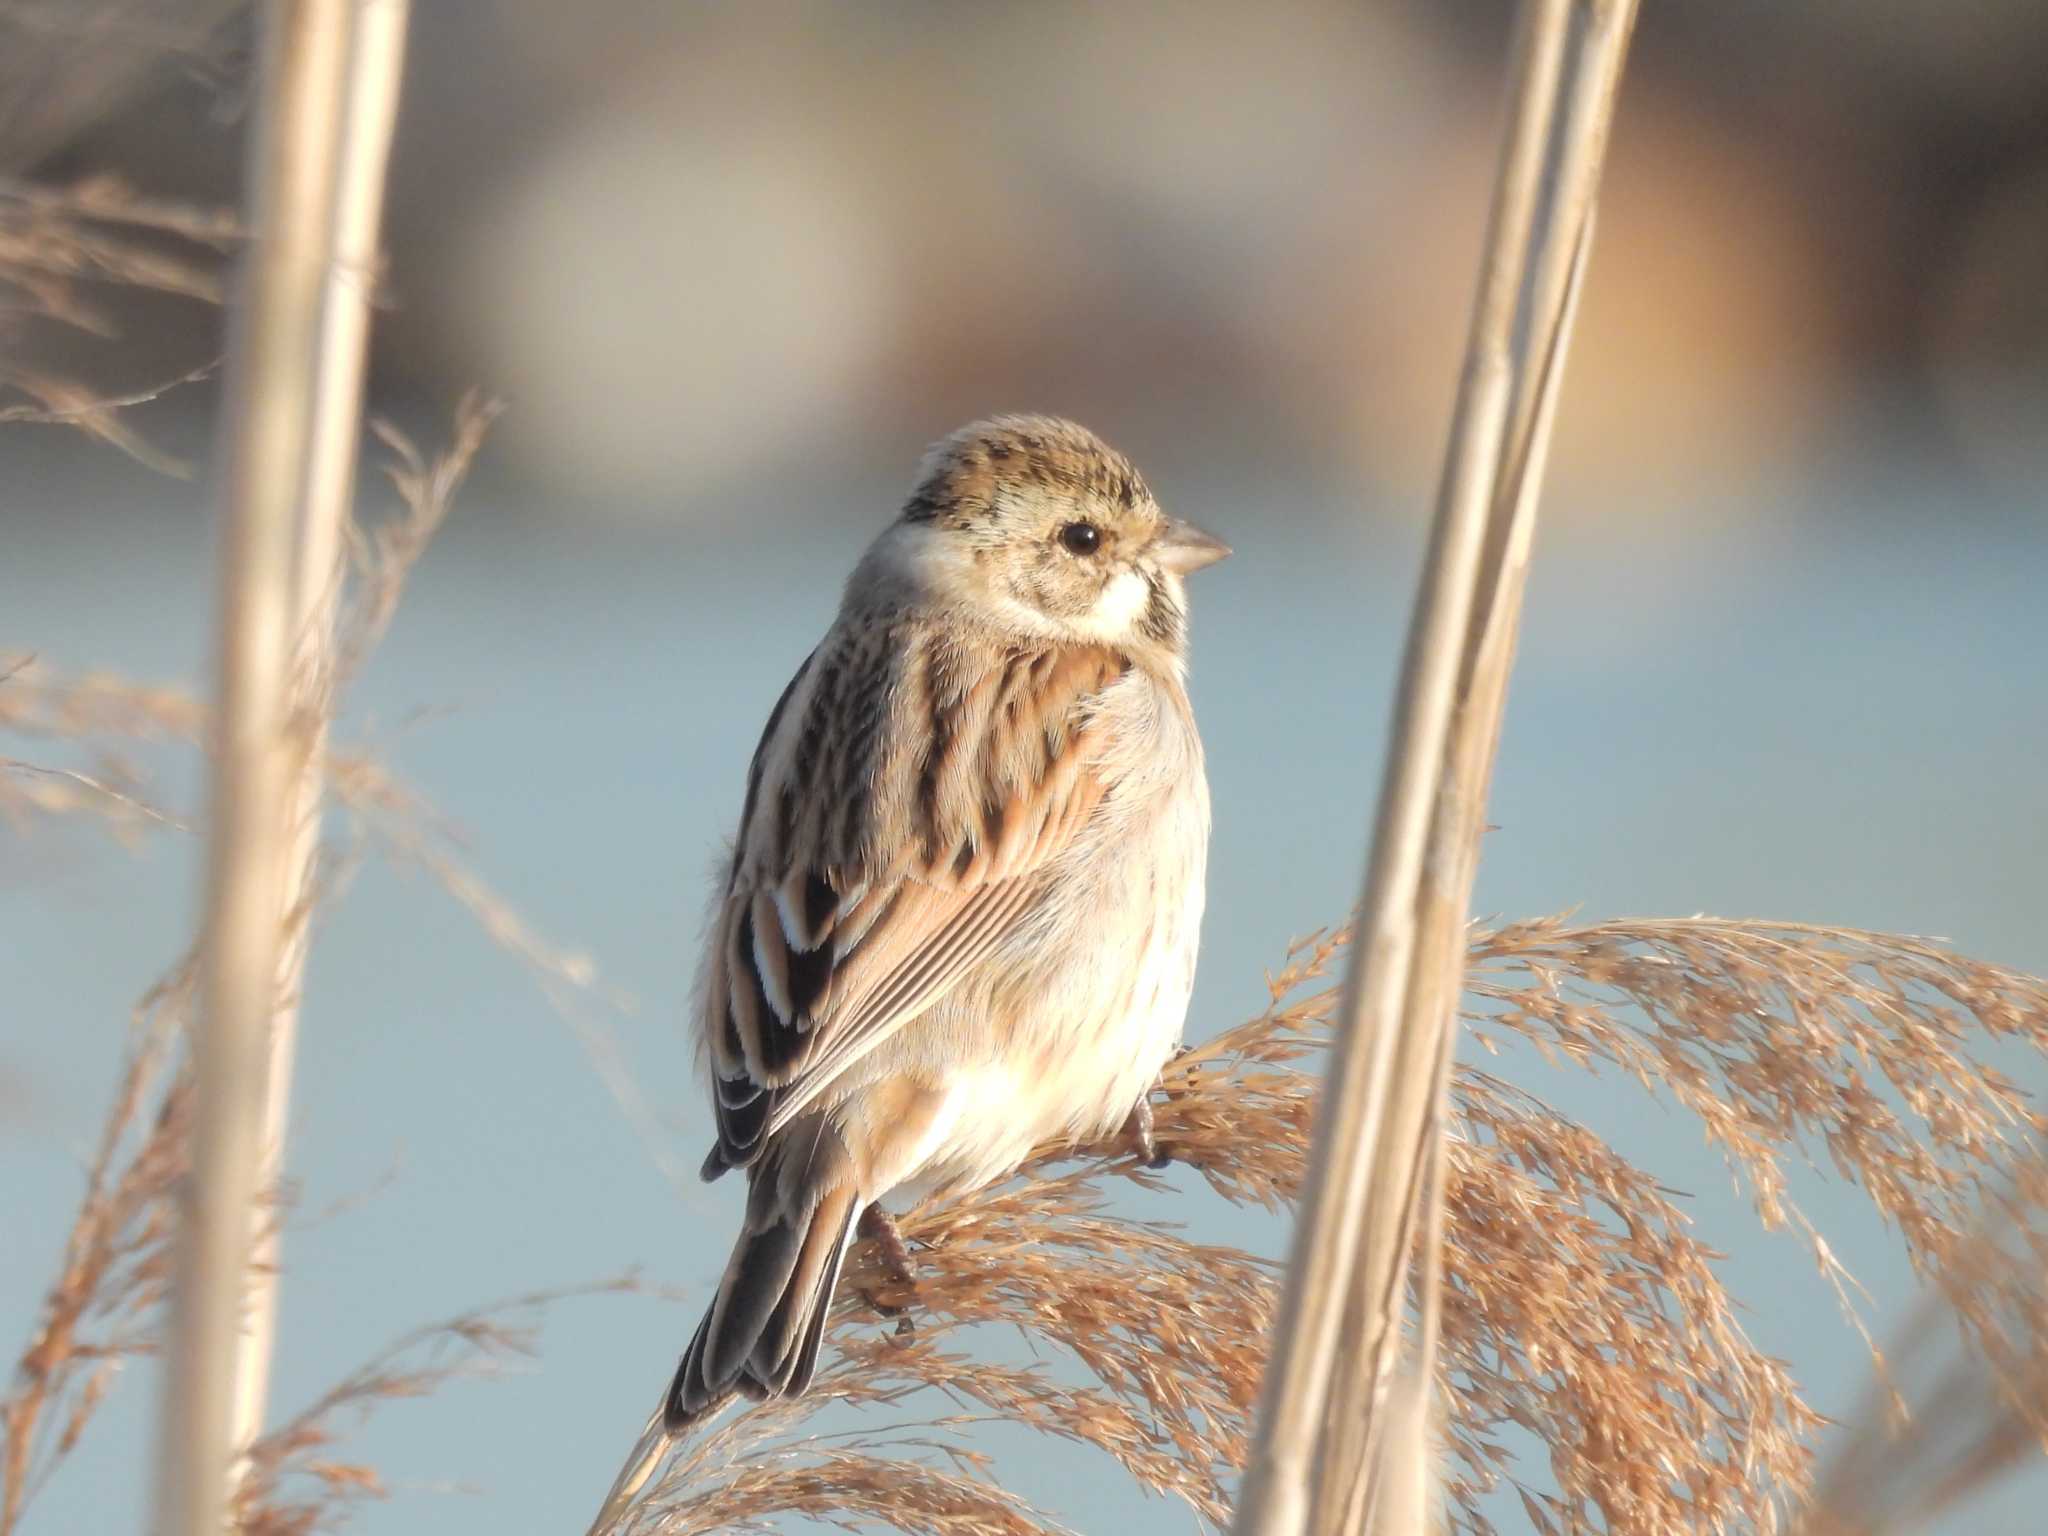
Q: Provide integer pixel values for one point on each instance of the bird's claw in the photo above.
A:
(898, 1268)
(880, 1227)
(1138, 1131)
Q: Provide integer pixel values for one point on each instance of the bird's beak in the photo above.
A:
(1184, 548)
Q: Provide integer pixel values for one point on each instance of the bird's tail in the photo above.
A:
(761, 1336)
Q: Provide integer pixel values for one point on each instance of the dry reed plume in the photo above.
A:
(1578, 1305)
(295, 1486)
(1952, 1411)
(62, 250)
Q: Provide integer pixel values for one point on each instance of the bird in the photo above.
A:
(961, 912)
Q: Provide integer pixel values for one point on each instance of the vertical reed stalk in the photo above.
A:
(375, 54)
(1315, 1466)
(284, 456)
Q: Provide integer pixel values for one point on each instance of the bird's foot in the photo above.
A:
(880, 1227)
(898, 1268)
(1138, 1133)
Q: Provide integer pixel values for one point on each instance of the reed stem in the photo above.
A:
(327, 86)
(1315, 1465)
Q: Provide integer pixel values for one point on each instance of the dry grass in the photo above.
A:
(104, 1305)
(1579, 1306)
(295, 1486)
(1952, 1409)
(62, 251)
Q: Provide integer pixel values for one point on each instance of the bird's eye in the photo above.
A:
(1080, 538)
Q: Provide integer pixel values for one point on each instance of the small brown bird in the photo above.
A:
(962, 909)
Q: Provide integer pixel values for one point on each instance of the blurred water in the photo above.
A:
(1818, 698)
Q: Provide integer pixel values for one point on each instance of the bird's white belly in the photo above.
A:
(1100, 1030)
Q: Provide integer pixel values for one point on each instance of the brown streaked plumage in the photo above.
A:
(962, 908)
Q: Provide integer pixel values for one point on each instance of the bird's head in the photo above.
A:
(1035, 524)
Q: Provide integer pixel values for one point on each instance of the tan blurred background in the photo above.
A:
(688, 241)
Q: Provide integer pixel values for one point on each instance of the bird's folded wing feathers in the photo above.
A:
(889, 846)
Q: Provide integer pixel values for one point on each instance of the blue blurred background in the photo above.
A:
(732, 268)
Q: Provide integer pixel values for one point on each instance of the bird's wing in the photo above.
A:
(902, 810)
